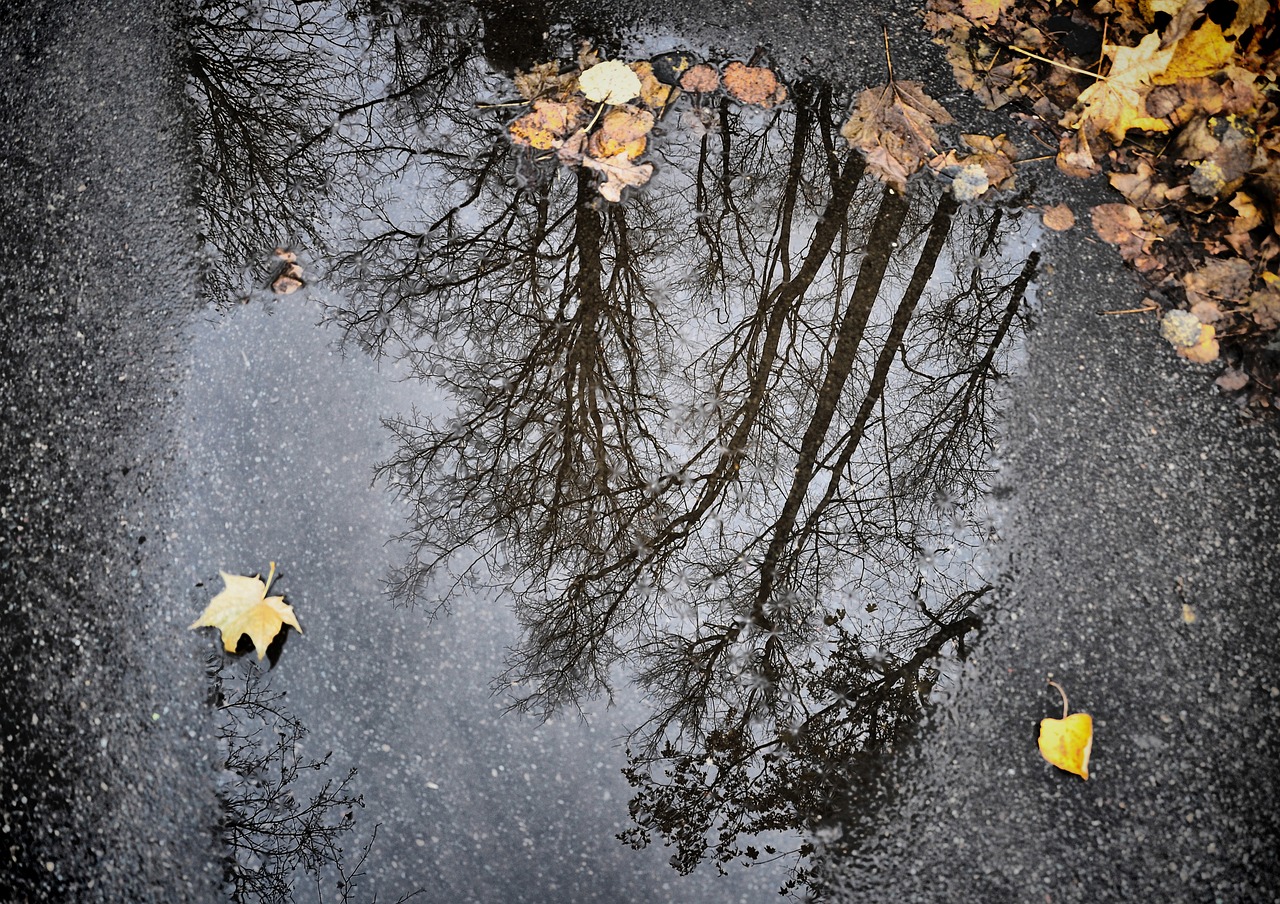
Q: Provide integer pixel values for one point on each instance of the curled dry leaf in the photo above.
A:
(1059, 217)
(610, 82)
(546, 79)
(701, 79)
(620, 173)
(756, 85)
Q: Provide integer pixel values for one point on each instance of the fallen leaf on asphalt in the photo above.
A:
(1067, 742)
(1059, 217)
(610, 82)
(1233, 379)
(1117, 103)
(756, 85)
(1116, 223)
(243, 607)
(620, 173)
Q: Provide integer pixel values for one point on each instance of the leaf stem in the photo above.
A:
(1045, 59)
(888, 58)
(1064, 696)
(270, 577)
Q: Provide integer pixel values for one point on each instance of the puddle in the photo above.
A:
(719, 454)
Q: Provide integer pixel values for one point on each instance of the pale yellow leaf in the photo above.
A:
(243, 607)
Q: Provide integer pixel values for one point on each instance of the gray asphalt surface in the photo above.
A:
(1125, 477)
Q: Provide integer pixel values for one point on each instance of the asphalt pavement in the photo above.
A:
(1139, 548)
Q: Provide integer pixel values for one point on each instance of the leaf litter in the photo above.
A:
(1175, 101)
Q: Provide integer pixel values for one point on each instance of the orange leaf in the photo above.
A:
(1059, 217)
(754, 85)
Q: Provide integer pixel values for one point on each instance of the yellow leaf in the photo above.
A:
(623, 130)
(1067, 742)
(548, 122)
(611, 82)
(1117, 103)
(243, 607)
(1202, 51)
(653, 93)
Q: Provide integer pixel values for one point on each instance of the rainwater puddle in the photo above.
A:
(718, 454)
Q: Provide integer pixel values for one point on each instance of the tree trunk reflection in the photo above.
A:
(731, 437)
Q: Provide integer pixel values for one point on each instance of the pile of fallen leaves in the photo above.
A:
(600, 114)
(1176, 101)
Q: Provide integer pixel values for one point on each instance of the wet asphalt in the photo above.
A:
(1130, 489)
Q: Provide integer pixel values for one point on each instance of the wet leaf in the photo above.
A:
(610, 82)
(893, 126)
(243, 607)
(547, 123)
(988, 166)
(701, 79)
(288, 276)
(545, 78)
(1059, 217)
(1067, 742)
(623, 130)
(669, 67)
(653, 92)
(620, 173)
(756, 85)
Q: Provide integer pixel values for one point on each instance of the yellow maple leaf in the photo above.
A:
(243, 607)
(1067, 742)
(1117, 103)
(1200, 52)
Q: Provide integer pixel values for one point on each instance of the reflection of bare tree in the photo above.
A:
(688, 454)
(732, 433)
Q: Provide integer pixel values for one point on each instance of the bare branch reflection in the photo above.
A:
(729, 438)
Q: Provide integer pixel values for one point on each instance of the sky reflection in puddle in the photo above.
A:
(721, 450)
